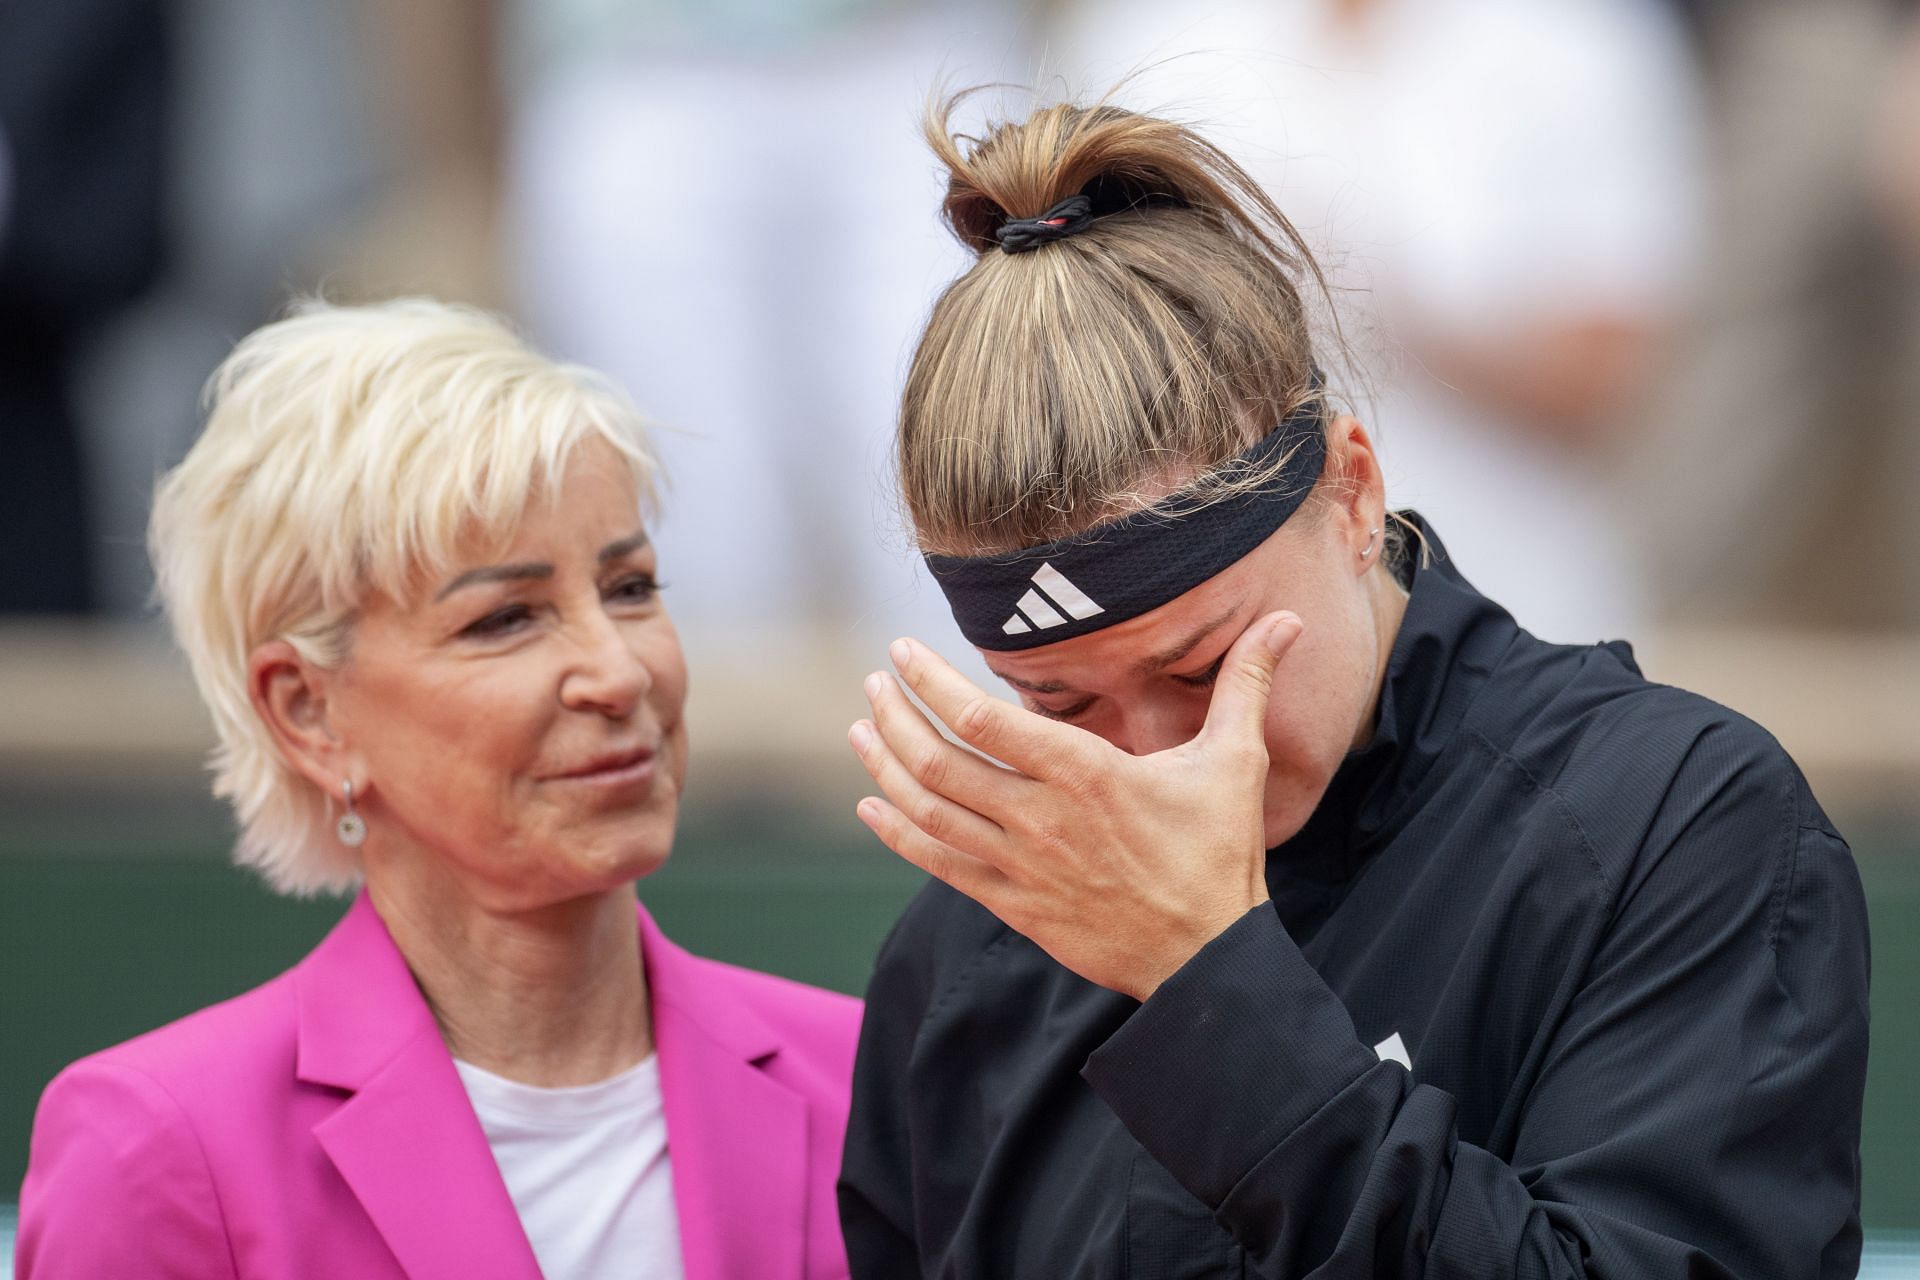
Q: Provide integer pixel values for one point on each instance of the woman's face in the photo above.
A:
(519, 724)
(1145, 684)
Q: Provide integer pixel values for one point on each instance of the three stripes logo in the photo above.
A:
(1050, 597)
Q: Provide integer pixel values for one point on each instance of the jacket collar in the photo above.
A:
(406, 1140)
(407, 1143)
(358, 1004)
(686, 982)
(739, 1137)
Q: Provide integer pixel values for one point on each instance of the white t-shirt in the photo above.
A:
(588, 1171)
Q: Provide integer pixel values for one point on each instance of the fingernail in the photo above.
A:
(1283, 631)
(867, 810)
(875, 683)
(900, 651)
(860, 736)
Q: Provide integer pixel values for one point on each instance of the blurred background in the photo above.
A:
(1628, 289)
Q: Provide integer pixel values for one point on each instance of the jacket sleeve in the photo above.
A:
(876, 1173)
(117, 1185)
(1696, 1112)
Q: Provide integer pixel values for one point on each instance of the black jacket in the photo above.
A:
(1621, 945)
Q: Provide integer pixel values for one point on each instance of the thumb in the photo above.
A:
(1240, 693)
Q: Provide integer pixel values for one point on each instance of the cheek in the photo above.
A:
(1300, 759)
(455, 744)
(1306, 719)
(667, 665)
(1317, 700)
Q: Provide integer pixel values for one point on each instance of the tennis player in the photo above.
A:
(1321, 921)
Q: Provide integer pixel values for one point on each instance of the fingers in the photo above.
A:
(1238, 712)
(1032, 744)
(937, 816)
(978, 880)
(937, 764)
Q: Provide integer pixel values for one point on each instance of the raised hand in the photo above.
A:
(1120, 867)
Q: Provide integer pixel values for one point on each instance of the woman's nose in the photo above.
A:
(610, 675)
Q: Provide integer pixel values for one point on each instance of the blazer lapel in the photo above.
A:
(406, 1141)
(737, 1137)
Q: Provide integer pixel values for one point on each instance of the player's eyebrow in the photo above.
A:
(1174, 652)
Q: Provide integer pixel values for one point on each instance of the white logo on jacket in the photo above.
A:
(1394, 1049)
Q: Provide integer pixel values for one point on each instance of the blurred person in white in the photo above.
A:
(1506, 196)
(725, 206)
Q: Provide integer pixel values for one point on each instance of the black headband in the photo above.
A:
(1133, 565)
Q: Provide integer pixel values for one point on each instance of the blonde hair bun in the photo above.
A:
(1057, 388)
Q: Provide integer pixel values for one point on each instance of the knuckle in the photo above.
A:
(1021, 877)
(937, 863)
(1079, 780)
(1095, 785)
(931, 817)
(931, 767)
(1052, 834)
(975, 721)
(1256, 673)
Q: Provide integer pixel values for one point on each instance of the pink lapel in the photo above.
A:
(406, 1141)
(736, 1136)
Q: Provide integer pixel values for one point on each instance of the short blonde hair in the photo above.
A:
(350, 451)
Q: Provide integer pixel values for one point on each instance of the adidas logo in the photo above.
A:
(1035, 609)
(1394, 1049)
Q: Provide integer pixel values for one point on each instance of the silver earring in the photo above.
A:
(1370, 540)
(352, 828)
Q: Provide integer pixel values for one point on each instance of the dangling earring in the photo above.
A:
(352, 828)
(1369, 547)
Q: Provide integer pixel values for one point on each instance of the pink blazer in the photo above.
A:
(315, 1127)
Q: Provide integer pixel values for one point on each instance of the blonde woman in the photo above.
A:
(1324, 922)
(409, 565)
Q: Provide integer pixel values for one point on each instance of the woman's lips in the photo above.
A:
(616, 771)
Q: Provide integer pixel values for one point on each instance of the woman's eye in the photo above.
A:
(638, 588)
(498, 623)
(1204, 679)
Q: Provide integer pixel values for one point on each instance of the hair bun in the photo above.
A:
(1160, 330)
(1119, 160)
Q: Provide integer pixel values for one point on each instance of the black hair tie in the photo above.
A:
(1068, 218)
